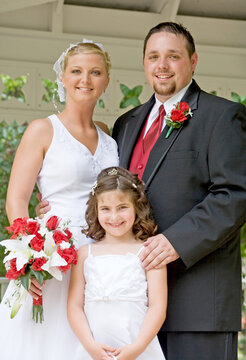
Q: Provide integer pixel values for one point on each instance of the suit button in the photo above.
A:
(140, 166)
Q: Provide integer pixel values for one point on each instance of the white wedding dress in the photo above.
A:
(68, 173)
(116, 302)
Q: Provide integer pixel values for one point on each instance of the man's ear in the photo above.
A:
(194, 60)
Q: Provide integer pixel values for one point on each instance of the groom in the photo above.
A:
(196, 184)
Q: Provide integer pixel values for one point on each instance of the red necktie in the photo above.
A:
(154, 131)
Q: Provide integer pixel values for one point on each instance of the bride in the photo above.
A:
(64, 154)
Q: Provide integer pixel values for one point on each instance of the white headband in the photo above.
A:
(58, 66)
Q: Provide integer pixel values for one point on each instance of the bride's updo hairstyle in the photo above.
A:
(117, 178)
(84, 47)
(87, 48)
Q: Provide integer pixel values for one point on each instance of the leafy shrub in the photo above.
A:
(13, 87)
(10, 135)
(51, 91)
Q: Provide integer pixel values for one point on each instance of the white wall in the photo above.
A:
(31, 39)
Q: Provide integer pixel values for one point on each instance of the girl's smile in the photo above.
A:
(116, 214)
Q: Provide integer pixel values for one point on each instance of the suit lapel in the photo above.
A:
(132, 129)
(163, 145)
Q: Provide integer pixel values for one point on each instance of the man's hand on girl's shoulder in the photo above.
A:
(158, 252)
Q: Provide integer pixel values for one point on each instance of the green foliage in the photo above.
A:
(51, 91)
(238, 98)
(243, 241)
(13, 88)
(101, 104)
(130, 96)
(10, 135)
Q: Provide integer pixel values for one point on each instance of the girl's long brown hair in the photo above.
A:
(116, 178)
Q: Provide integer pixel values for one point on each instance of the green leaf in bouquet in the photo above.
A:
(25, 280)
(22, 294)
(38, 275)
(38, 314)
(15, 309)
(46, 275)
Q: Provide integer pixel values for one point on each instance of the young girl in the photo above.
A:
(108, 307)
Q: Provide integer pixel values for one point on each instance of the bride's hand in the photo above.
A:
(43, 206)
(35, 289)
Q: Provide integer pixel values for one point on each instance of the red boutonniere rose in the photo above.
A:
(178, 115)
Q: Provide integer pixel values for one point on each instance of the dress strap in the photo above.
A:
(140, 250)
(58, 125)
(55, 124)
(54, 120)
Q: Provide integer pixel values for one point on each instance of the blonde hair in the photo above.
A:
(87, 48)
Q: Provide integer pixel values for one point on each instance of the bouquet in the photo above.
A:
(38, 248)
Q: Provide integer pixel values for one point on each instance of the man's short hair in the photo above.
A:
(174, 28)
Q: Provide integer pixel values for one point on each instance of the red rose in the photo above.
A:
(52, 222)
(38, 263)
(70, 255)
(37, 242)
(183, 106)
(178, 115)
(13, 273)
(59, 237)
(32, 227)
(18, 227)
(69, 234)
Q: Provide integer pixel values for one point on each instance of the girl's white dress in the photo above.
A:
(68, 173)
(116, 302)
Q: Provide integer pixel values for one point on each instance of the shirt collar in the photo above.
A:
(170, 103)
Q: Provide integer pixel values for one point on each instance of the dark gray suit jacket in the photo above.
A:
(196, 185)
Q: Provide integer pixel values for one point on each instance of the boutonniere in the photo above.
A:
(178, 115)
